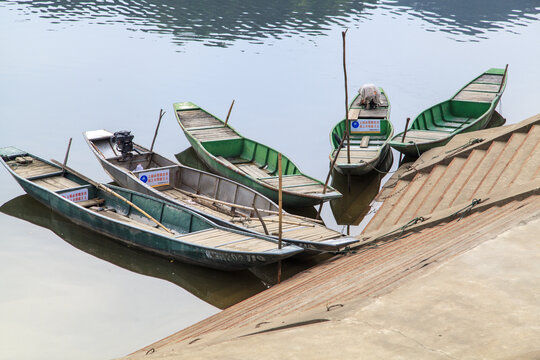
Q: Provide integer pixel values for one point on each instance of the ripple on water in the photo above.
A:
(214, 24)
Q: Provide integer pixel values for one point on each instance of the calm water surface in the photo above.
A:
(69, 66)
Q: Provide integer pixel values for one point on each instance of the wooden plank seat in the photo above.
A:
(364, 142)
(56, 183)
(91, 202)
(417, 136)
(377, 113)
(475, 96)
(253, 170)
(489, 79)
(482, 87)
(214, 133)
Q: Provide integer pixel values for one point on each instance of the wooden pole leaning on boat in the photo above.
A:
(403, 138)
(161, 113)
(229, 113)
(106, 189)
(280, 204)
(328, 176)
(343, 33)
(66, 157)
(238, 206)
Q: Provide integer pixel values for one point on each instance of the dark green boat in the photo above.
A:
(246, 161)
(370, 132)
(187, 236)
(470, 109)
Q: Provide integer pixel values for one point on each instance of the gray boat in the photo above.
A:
(131, 217)
(224, 201)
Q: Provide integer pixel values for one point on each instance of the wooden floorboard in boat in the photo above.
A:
(475, 96)
(250, 245)
(253, 170)
(35, 168)
(219, 133)
(290, 180)
(56, 183)
(197, 118)
(483, 87)
(418, 136)
(379, 112)
(489, 79)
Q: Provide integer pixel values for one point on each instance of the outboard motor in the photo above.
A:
(123, 141)
(370, 96)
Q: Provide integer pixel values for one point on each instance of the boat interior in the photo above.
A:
(452, 116)
(184, 225)
(364, 146)
(186, 182)
(252, 158)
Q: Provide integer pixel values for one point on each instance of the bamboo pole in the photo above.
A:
(161, 113)
(106, 189)
(261, 220)
(280, 204)
(343, 33)
(403, 138)
(274, 221)
(229, 113)
(66, 157)
(328, 176)
(238, 206)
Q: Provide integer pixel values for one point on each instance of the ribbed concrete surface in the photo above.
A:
(454, 175)
(371, 272)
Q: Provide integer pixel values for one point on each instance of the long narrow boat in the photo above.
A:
(223, 201)
(470, 109)
(248, 162)
(370, 131)
(192, 238)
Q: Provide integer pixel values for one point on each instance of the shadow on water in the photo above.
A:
(220, 289)
(215, 23)
(354, 205)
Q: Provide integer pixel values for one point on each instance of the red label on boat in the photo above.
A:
(76, 195)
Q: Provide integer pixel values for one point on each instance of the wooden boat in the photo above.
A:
(248, 162)
(470, 109)
(223, 201)
(187, 236)
(370, 132)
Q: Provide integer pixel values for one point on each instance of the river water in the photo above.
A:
(70, 66)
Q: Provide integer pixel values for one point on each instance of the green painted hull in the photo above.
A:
(378, 142)
(213, 153)
(470, 109)
(180, 220)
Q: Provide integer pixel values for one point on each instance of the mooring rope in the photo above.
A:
(471, 142)
(467, 209)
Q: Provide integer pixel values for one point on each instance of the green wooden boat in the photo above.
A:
(223, 201)
(370, 132)
(194, 239)
(470, 109)
(246, 161)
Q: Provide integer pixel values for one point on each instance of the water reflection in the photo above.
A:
(354, 205)
(220, 289)
(220, 24)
